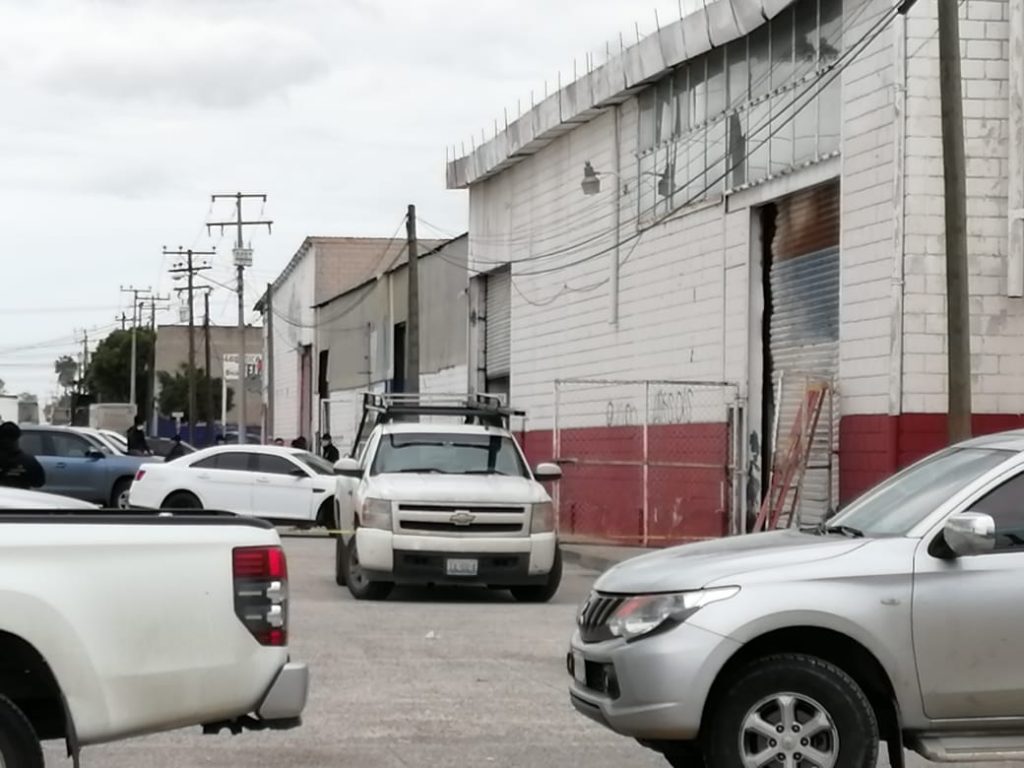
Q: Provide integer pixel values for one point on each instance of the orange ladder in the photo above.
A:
(788, 474)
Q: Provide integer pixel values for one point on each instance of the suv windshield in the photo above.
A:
(448, 454)
(905, 499)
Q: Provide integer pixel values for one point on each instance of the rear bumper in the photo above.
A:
(281, 706)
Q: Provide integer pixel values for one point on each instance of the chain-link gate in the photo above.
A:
(648, 462)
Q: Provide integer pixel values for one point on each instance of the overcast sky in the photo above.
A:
(121, 117)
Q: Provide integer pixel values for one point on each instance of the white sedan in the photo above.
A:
(284, 485)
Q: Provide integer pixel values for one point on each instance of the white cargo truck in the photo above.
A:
(9, 408)
(117, 417)
(439, 492)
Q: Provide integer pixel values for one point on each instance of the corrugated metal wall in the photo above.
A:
(804, 327)
(499, 323)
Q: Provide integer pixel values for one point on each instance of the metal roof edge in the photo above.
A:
(716, 23)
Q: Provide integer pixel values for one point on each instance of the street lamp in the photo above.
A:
(591, 183)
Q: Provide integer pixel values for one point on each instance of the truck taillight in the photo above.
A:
(261, 592)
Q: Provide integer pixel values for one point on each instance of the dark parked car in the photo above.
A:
(81, 466)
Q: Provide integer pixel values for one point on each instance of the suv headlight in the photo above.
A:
(376, 513)
(643, 614)
(542, 517)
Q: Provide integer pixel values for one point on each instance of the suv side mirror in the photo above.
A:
(348, 467)
(547, 472)
(94, 454)
(970, 533)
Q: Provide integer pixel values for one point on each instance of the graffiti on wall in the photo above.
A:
(667, 405)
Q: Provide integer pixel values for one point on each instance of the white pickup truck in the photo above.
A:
(428, 502)
(120, 624)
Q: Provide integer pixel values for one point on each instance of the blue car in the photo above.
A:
(81, 466)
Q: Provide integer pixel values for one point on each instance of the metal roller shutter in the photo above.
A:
(499, 323)
(804, 329)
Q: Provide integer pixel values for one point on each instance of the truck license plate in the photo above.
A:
(461, 566)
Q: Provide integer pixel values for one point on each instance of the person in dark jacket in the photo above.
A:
(329, 450)
(136, 435)
(17, 468)
(177, 450)
(300, 443)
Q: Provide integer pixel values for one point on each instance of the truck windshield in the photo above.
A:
(448, 454)
(907, 498)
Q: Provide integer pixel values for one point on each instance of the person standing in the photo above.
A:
(299, 442)
(17, 468)
(329, 450)
(137, 445)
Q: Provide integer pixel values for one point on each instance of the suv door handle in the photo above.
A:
(263, 480)
(61, 465)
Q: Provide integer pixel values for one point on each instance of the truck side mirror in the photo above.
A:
(348, 467)
(547, 472)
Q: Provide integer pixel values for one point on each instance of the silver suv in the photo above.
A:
(900, 619)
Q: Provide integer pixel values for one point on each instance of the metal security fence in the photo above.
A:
(650, 462)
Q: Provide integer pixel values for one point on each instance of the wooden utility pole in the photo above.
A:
(190, 269)
(153, 423)
(133, 370)
(208, 393)
(269, 362)
(243, 259)
(958, 316)
(412, 323)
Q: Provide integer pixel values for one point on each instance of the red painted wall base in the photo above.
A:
(872, 447)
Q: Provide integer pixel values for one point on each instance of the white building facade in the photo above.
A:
(763, 210)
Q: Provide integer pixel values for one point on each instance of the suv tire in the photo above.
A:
(360, 586)
(542, 593)
(816, 705)
(340, 555)
(19, 745)
(119, 495)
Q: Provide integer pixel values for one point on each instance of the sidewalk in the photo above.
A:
(597, 555)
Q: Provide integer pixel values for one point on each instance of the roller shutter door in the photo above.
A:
(804, 328)
(499, 324)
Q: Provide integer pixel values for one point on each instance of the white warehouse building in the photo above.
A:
(671, 252)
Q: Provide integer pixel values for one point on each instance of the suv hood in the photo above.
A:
(468, 489)
(693, 566)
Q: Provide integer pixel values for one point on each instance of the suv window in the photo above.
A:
(70, 446)
(273, 465)
(32, 443)
(1006, 506)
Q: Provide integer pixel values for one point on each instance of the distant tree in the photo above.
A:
(174, 394)
(66, 369)
(107, 377)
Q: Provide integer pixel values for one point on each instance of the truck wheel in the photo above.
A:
(19, 746)
(792, 710)
(181, 500)
(356, 580)
(119, 496)
(339, 561)
(543, 592)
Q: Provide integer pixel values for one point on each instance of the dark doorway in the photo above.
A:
(398, 381)
(769, 214)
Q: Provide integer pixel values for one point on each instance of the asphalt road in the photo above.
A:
(430, 678)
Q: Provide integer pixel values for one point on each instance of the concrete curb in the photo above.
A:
(598, 557)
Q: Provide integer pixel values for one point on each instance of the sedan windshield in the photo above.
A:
(317, 464)
(448, 454)
(904, 500)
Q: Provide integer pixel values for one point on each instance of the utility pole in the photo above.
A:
(412, 325)
(958, 316)
(123, 319)
(153, 423)
(208, 393)
(243, 259)
(190, 269)
(269, 362)
(135, 292)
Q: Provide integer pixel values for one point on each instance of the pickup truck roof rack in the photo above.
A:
(478, 408)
